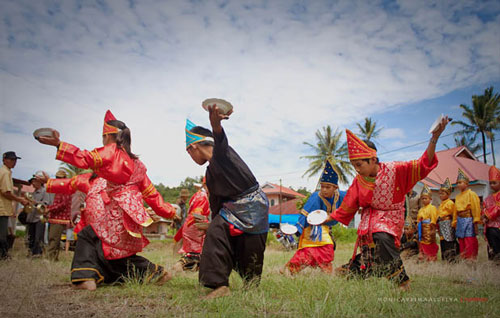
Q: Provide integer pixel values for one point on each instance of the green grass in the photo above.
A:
(38, 288)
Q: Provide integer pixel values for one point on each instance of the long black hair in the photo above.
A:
(123, 138)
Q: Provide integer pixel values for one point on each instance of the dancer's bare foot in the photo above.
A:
(405, 286)
(165, 277)
(341, 271)
(285, 271)
(87, 285)
(177, 267)
(221, 291)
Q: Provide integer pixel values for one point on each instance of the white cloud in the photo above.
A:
(392, 133)
(287, 69)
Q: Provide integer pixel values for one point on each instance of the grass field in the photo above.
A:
(38, 288)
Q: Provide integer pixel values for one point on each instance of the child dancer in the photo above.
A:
(466, 217)
(379, 191)
(427, 218)
(192, 237)
(446, 210)
(106, 249)
(491, 214)
(316, 247)
(236, 237)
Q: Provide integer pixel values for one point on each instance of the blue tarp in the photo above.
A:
(274, 219)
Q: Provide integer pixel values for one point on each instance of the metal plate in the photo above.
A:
(224, 106)
(43, 132)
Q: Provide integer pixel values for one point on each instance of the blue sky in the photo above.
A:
(288, 67)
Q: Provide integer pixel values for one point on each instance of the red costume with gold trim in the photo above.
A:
(491, 210)
(381, 202)
(381, 199)
(192, 237)
(70, 186)
(492, 203)
(114, 207)
(60, 209)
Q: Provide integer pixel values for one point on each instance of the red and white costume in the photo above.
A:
(192, 237)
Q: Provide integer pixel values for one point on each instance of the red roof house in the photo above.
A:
(273, 193)
(288, 207)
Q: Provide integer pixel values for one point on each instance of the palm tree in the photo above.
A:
(468, 140)
(369, 129)
(492, 104)
(71, 170)
(483, 117)
(328, 146)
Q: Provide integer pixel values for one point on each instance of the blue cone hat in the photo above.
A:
(329, 175)
(192, 138)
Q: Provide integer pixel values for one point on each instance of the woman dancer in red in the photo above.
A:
(106, 248)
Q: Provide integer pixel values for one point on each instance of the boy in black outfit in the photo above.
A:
(236, 237)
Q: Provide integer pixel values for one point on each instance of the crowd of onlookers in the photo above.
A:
(47, 218)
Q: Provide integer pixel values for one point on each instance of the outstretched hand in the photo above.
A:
(50, 140)
(216, 117)
(440, 128)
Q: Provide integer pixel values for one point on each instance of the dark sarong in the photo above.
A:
(449, 250)
(249, 212)
(222, 253)
(493, 236)
(190, 261)
(383, 260)
(89, 263)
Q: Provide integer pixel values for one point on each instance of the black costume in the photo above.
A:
(236, 237)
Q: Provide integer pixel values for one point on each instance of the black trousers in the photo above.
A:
(89, 263)
(35, 237)
(4, 231)
(449, 250)
(493, 236)
(383, 260)
(222, 253)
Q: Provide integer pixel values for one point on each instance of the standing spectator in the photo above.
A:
(412, 207)
(59, 219)
(35, 227)
(77, 202)
(181, 202)
(6, 197)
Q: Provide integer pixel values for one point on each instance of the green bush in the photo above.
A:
(344, 234)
